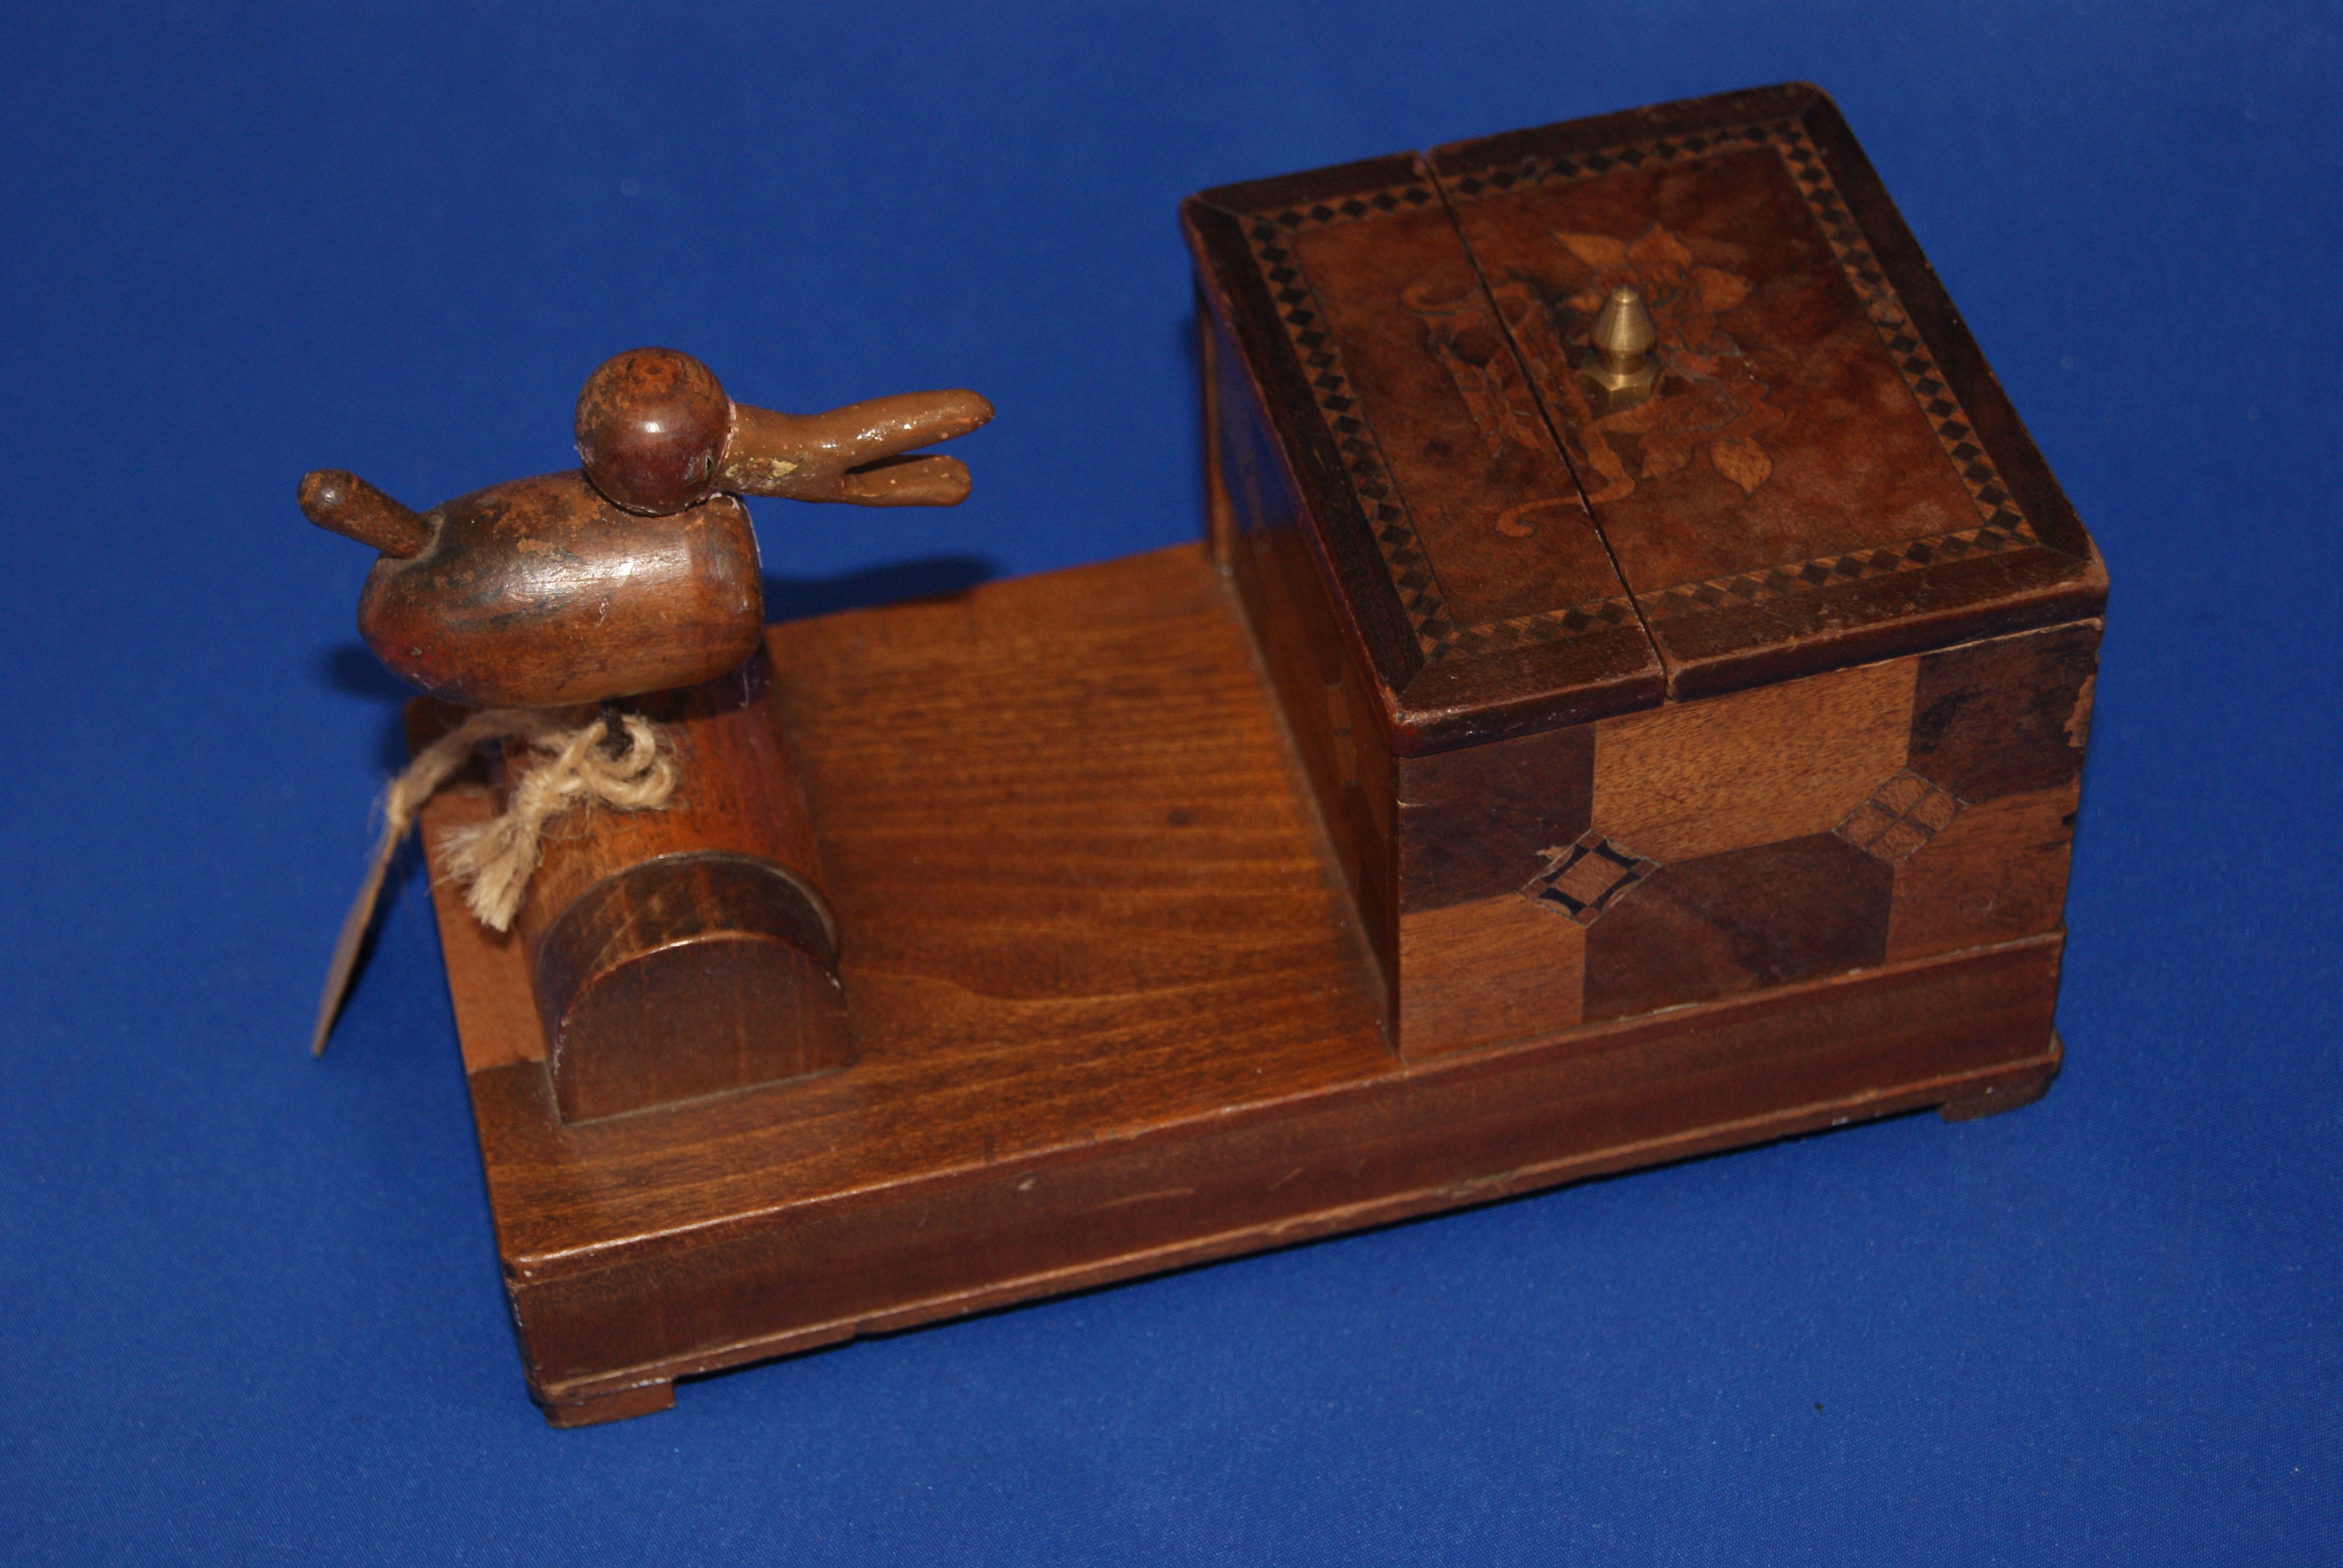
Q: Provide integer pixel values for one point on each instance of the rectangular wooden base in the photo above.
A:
(1111, 1014)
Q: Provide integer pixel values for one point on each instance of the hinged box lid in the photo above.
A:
(1826, 475)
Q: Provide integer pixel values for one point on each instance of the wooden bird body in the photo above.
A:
(638, 572)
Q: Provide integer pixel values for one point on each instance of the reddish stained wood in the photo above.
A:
(1427, 468)
(639, 572)
(1127, 919)
(962, 1235)
(1819, 523)
(664, 954)
(1692, 778)
(1113, 1015)
(539, 593)
(348, 505)
(1457, 425)
(1737, 921)
(1796, 832)
(659, 435)
(688, 951)
(497, 1021)
(2005, 717)
(735, 792)
(1482, 973)
(1828, 475)
(1475, 822)
(1327, 714)
(1997, 870)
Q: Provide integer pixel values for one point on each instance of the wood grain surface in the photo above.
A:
(736, 792)
(1827, 474)
(1486, 972)
(1775, 622)
(1754, 839)
(1113, 1012)
(671, 953)
(539, 593)
(1364, 395)
(1692, 778)
(1996, 870)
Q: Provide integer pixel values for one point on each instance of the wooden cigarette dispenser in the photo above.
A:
(1631, 704)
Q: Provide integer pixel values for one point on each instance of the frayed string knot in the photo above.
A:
(616, 759)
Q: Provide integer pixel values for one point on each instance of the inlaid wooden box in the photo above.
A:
(1513, 795)
(1781, 674)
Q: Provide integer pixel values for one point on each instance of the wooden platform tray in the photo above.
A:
(1111, 1014)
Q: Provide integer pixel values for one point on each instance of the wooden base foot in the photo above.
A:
(1993, 1100)
(647, 1399)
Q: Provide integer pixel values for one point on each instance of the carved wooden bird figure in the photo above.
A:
(638, 572)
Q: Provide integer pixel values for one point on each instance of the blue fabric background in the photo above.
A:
(249, 1305)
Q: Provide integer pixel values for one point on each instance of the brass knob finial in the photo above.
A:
(1620, 371)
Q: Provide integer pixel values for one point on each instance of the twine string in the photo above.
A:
(630, 768)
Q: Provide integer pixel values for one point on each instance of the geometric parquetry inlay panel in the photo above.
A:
(1581, 880)
(2001, 526)
(1902, 815)
(1439, 634)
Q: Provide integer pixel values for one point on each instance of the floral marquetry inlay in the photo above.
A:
(1710, 400)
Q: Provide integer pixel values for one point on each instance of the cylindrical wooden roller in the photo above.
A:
(688, 951)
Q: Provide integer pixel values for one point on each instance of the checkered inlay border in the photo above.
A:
(1681, 600)
(1439, 635)
(2002, 526)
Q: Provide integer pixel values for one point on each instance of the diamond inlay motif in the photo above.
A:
(1583, 880)
(2001, 526)
(1902, 815)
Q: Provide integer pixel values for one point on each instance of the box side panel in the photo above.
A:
(1219, 527)
(1489, 952)
(1257, 336)
(1860, 816)
(1888, 812)
(1655, 859)
(1999, 728)
(1258, 516)
(1826, 474)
